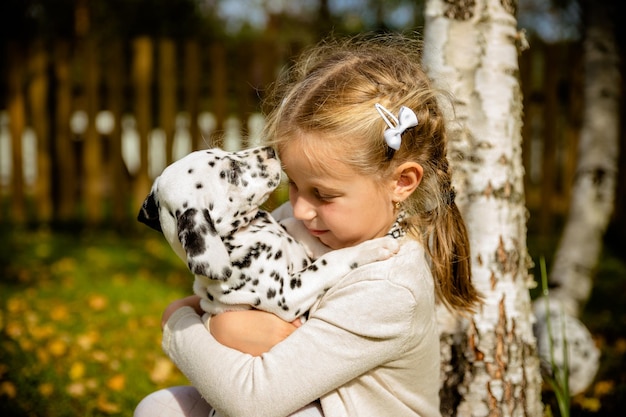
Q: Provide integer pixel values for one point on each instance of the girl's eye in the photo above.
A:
(322, 196)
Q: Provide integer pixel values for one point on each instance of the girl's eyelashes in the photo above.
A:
(320, 195)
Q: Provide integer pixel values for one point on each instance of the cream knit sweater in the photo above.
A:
(369, 348)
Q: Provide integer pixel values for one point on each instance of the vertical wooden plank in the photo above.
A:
(121, 192)
(244, 72)
(618, 229)
(64, 172)
(574, 121)
(167, 93)
(142, 82)
(219, 84)
(550, 116)
(38, 100)
(17, 122)
(192, 91)
(92, 148)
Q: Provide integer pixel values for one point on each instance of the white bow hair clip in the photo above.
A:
(405, 120)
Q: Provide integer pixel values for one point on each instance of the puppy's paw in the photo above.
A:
(386, 246)
(374, 250)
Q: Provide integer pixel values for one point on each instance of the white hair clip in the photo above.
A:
(405, 120)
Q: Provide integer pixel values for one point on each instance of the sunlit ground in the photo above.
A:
(80, 334)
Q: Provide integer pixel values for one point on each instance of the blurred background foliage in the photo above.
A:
(80, 306)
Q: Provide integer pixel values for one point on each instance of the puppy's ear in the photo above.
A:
(206, 253)
(149, 213)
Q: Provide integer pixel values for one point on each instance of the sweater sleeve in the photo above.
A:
(352, 331)
(283, 211)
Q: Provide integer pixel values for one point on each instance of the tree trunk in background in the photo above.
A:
(593, 193)
(490, 364)
(168, 105)
(142, 73)
(593, 197)
(17, 124)
(64, 166)
(38, 100)
(92, 142)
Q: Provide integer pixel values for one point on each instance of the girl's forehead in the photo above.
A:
(315, 158)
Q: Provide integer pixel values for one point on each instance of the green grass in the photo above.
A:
(80, 321)
(605, 317)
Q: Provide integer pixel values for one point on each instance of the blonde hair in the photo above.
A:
(332, 91)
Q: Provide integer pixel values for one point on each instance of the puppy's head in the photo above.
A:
(206, 195)
(234, 184)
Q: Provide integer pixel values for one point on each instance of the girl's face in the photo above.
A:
(341, 208)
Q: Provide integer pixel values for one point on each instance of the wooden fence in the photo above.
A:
(85, 126)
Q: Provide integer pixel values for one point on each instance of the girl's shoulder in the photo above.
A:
(408, 268)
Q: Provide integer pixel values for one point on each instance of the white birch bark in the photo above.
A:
(490, 364)
(593, 192)
(593, 198)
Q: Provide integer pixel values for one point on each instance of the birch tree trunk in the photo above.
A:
(593, 197)
(489, 362)
(593, 192)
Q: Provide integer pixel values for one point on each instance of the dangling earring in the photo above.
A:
(397, 205)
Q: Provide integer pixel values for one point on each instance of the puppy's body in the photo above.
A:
(207, 206)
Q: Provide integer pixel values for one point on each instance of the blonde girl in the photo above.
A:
(362, 139)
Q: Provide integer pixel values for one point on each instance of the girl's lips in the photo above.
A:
(315, 232)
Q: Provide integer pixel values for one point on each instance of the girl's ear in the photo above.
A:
(406, 179)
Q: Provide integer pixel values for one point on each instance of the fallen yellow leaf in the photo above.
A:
(161, 371)
(117, 382)
(77, 371)
(76, 389)
(125, 307)
(43, 356)
(59, 313)
(14, 330)
(87, 340)
(620, 345)
(46, 389)
(4, 368)
(57, 347)
(8, 388)
(106, 406)
(602, 388)
(16, 305)
(590, 404)
(27, 345)
(64, 265)
(97, 302)
(100, 356)
(41, 332)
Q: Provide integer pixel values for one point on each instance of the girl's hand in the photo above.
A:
(191, 301)
(250, 331)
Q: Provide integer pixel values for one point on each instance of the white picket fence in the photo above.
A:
(105, 123)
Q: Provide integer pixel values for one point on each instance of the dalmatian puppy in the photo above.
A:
(207, 206)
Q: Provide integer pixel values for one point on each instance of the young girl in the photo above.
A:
(362, 140)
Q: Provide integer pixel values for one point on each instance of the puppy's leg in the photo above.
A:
(306, 286)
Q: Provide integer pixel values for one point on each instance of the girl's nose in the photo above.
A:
(302, 209)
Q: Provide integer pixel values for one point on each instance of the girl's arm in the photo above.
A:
(250, 331)
(352, 332)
